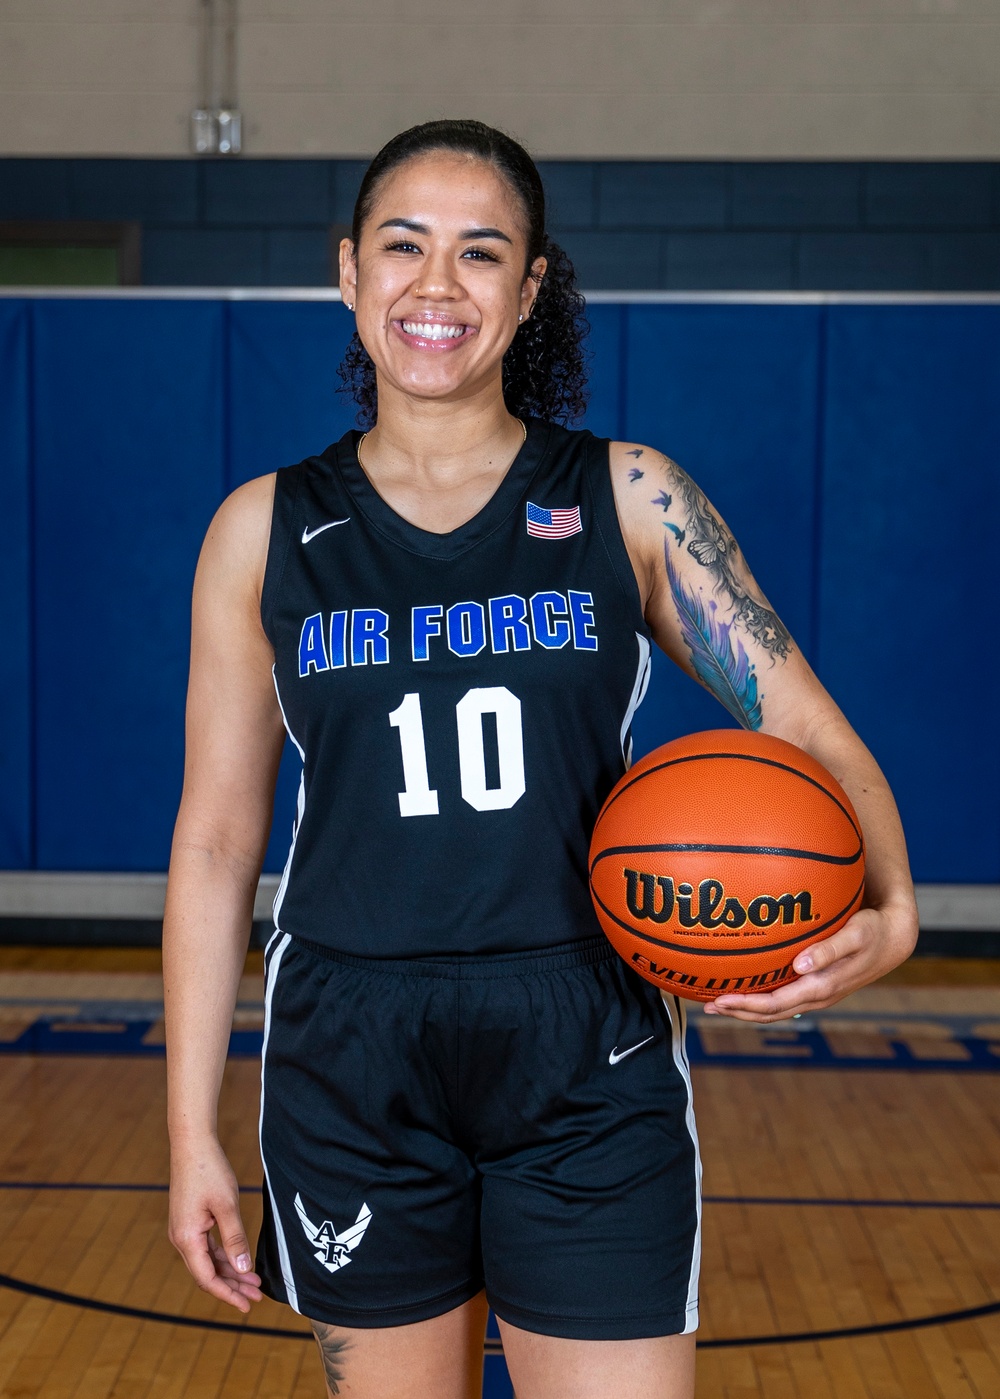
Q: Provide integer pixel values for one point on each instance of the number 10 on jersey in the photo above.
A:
(418, 798)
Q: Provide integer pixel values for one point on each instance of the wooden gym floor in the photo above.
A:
(852, 1197)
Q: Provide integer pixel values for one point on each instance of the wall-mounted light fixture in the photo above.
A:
(216, 124)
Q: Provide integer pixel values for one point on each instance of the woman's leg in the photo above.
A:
(548, 1367)
(442, 1357)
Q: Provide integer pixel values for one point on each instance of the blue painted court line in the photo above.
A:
(78, 1033)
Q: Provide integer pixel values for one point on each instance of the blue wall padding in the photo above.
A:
(16, 738)
(853, 450)
(910, 642)
(605, 367)
(731, 393)
(283, 399)
(284, 405)
(128, 428)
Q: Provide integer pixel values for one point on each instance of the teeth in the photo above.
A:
(433, 330)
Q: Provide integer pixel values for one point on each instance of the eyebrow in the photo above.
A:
(465, 236)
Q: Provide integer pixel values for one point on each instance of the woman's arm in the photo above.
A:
(689, 566)
(234, 736)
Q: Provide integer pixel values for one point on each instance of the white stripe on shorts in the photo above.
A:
(678, 1023)
(285, 1260)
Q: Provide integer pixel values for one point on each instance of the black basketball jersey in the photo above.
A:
(462, 702)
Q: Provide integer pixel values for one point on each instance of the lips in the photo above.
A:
(432, 334)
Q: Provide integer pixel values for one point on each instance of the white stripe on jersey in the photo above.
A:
(638, 694)
(300, 807)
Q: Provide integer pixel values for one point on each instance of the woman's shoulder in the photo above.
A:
(246, 511)
(635, 469)
(238, 537)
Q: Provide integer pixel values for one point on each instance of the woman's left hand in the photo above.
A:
(869, 944)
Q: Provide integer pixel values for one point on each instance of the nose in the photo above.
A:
(437, 280)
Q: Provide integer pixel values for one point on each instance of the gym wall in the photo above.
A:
(841, 79)
(628, 224)
(851, 447)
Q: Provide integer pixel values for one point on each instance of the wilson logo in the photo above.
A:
(653, 897)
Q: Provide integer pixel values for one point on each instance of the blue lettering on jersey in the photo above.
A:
(552, 618)
(466, 628)
(581, 606)
(338, 640)
(549, 620)
(369, 632)
(312, 649)
(426, 622)
(508, 619)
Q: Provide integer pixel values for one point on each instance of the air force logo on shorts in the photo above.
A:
(333, 1250)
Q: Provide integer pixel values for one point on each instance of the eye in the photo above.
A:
(401, 247)
(480, 255)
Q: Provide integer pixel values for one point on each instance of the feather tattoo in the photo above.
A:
(718, 658)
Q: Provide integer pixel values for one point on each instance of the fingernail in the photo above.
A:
(804, 963)
(711, 1010)
(243, 1263)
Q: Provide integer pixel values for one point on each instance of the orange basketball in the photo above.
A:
(717, 858)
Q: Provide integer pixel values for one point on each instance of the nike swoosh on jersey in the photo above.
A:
(614, 1057)
(308, 534)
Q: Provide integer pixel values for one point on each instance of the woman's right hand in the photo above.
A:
(204, 1196)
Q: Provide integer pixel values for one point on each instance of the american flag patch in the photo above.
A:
(553, 524)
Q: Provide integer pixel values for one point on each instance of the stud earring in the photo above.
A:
(350, 306)
(520, 319)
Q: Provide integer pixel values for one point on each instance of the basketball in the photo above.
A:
(718, 857)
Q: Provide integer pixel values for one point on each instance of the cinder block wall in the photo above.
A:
(615, 79)
(683, 225)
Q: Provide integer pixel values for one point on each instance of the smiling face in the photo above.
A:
(439, 278)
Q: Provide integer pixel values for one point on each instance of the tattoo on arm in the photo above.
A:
(635, 474)
(717, 551)
(717, 657)
(331, 1348)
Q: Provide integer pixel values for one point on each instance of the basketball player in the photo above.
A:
(466, 1094)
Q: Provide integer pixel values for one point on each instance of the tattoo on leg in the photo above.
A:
(716, 550)
(331, 1349)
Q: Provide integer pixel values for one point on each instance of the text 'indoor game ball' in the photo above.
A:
(717, 858)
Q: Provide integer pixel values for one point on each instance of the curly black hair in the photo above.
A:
(544, 372)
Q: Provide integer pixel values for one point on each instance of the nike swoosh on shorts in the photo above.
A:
(308, 534)
(614, 1057)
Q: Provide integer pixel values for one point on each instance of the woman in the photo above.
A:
(463, 1087)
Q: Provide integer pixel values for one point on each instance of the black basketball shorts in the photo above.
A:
(521, 1123)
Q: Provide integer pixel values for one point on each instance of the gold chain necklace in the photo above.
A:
(364, 435)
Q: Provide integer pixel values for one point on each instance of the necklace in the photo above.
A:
(364, 435)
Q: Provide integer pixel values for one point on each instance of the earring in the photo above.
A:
(350, 306)
(520, 319)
